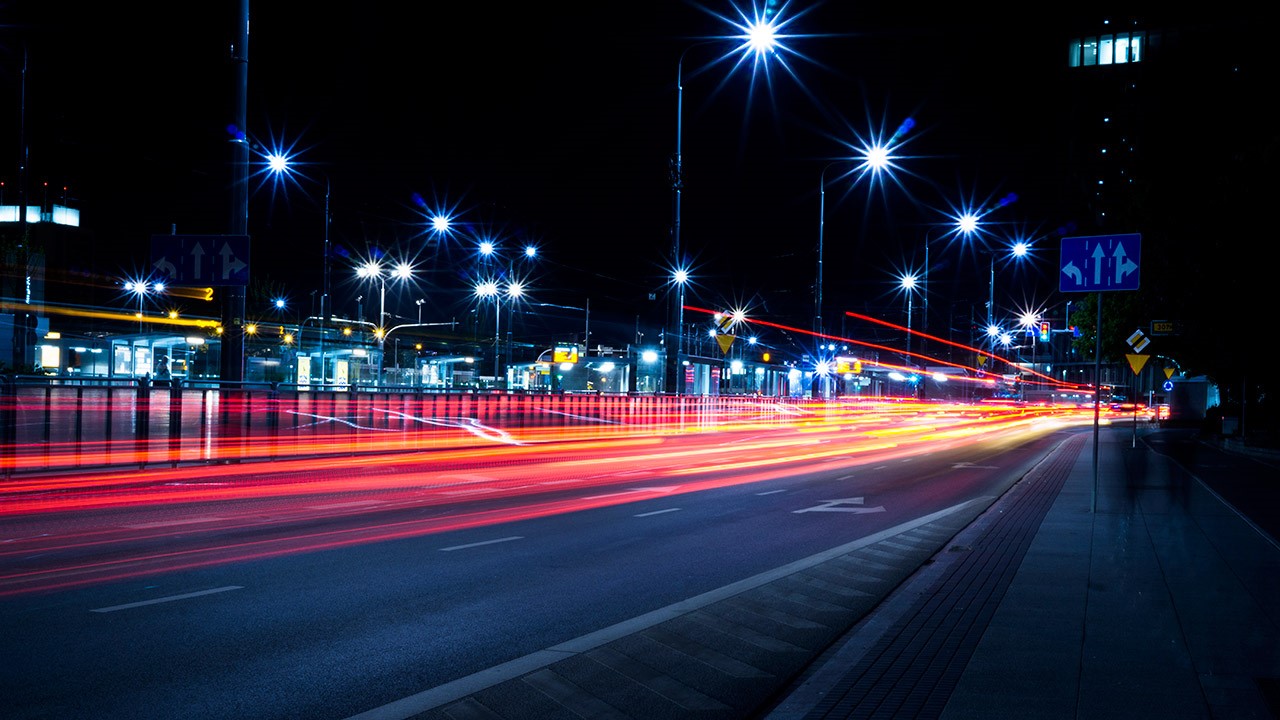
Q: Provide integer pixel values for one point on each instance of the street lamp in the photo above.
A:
(141, 288)
(908, 285)
(759, 40)
(373, 270)
(680, 277)
(966, 224)
(871, 160)
(1017, 250)
(487, 289)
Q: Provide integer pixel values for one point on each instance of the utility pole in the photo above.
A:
(233, 306)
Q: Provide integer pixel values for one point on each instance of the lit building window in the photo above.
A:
(1107, 49)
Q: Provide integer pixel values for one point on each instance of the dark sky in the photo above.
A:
(551, 123)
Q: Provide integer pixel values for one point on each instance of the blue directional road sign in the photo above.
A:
(1099, 263)
(200, 259)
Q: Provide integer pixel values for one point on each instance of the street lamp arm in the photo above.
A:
(410, 325)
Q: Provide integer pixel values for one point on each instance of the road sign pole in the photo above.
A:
(1097, 401)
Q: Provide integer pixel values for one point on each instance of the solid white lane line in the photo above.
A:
(169, 598)
(478, 544)
(658, 512)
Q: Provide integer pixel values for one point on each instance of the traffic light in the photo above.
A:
(1044, 331)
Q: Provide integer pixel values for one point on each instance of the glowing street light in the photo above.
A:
(284, 166)
(680, 277)
(963, 226)
(758, 39)
(870, 159)
(373, 270)
(489, 289)
(908, 285)
(142, 288)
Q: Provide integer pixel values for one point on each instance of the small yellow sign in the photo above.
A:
(1168, 373)
(1137, 362)
(725, 342)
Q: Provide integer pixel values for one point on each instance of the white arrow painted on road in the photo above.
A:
(835, 506)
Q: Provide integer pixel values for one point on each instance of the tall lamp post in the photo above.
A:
(909, 286)
(373, 270)
(871, 160)
(233, 305)
(1017, 251)
(965, 225)
(141, 288)
(759, 39)
(488, 289)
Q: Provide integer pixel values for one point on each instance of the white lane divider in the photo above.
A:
(479, 544)
(658, 512)
(168, 598)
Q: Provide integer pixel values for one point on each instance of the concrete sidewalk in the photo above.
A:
(1132, 592)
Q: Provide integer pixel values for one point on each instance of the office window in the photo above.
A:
(1105, 50)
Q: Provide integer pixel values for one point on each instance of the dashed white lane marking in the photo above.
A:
(478, 544)
(455, 690)
(658, 512)
(771, 492)
(168, 598)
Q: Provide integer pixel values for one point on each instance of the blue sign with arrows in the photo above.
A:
(200, 259)
(1099, 263)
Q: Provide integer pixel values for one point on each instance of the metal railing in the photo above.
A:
(59, 424)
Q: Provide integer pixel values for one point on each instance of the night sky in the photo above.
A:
(553, 124)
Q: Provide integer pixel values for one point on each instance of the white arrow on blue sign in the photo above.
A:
(201, 259)
(1097, 263)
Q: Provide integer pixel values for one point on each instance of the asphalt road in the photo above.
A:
(330, 614)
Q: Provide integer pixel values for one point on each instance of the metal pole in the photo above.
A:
(233, 306)
(379, 326)
(908, 325)
(1097, 400)
(817, 285)
(991, 291)
(324, 290)
(497, 337)
(677, 186)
